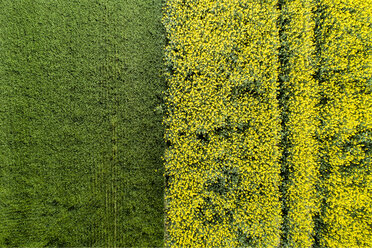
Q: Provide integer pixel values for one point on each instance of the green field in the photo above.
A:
(80, 140)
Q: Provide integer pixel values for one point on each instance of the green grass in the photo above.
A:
(79, 138)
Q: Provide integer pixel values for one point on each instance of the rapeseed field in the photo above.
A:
(268, 123)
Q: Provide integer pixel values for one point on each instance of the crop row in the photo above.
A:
(223, 124)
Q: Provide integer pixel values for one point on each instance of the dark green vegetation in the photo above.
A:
(79, 138)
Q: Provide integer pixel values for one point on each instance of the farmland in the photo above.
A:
(80, 141)
(268, 127)
(185, 123)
